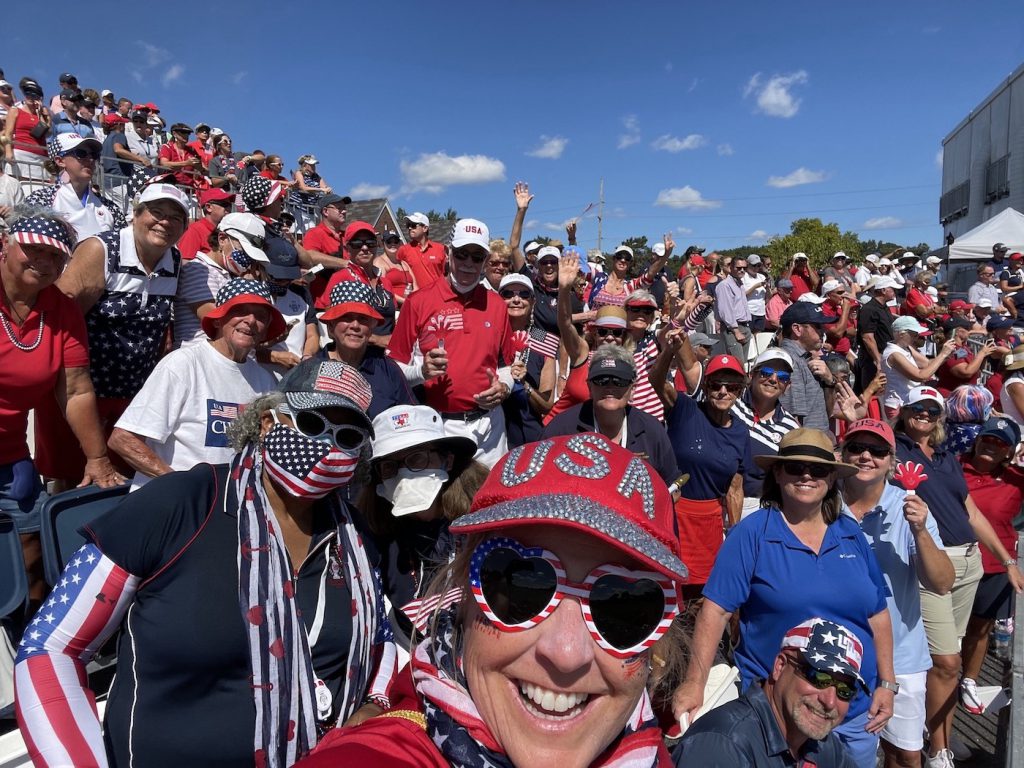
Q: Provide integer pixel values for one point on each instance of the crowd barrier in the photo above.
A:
(1015, 737)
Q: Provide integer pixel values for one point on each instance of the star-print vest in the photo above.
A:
(127, 325)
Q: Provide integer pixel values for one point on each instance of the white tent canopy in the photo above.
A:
(1005, 227)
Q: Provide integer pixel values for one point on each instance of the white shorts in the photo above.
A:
(488, 432)
(905, 729)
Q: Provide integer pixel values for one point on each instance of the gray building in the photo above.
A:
(983, 160)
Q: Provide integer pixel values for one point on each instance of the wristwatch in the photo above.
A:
(1008, 562)
(894, 687)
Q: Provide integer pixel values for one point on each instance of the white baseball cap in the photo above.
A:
(418, 218)
(776, 354)
(921, 394)
(831, 285)
(840, 255)
(532, 246)
(984, 304)
(515, 278)
(548, 250)
(658, 249)
(753, 259)
(799, 256)
(884, 262)
(933, 260)
(623, 249)
(471, 232)
(811, 298)
(248, 230)
(872, 258)
(153, 192)
(909, 323)
(881, 282)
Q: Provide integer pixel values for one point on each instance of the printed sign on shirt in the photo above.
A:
(218, 415)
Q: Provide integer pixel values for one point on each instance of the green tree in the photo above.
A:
(819, 241)
(433, 216)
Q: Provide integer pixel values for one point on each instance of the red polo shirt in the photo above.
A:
(171, 153)
(426, 261)
(325, 240)
(196, 238)
(472, 327)
(28, 378)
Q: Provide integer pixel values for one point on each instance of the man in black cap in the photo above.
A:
(802, 327)
(787, 719)
(179, 157)
(322, 243)
(65, 82)
(998, 262)
(963, 366)
(67, 120)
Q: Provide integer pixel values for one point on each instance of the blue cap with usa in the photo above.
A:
(828, 647)
(804, 313)
(999, 323)
(1002, 429)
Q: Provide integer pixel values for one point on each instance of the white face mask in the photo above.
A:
(410, 491)
(462, 288)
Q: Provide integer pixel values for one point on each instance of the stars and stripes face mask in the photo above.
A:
(304, 467)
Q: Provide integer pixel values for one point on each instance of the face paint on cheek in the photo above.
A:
(484, 626)
(634, 666)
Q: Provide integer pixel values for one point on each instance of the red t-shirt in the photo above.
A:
(915, 299)
(28, 378)
(196, 238)
(947, 381)
(842, 344)
(472, 327)
(171, 153)
(427, 264)
(325, 240)
(999, 499)
(800, 285)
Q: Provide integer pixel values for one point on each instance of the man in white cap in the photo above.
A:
(874, 329)
(425, 258)
(867, 270)
(755, 285)
(453, 337)
(804, 278)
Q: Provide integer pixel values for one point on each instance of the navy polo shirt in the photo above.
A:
(386, 380)
(745, 734)
(776, 582)
(711, 454)
(945, 491)
(183, 695)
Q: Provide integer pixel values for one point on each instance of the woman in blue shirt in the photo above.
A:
(796, 557)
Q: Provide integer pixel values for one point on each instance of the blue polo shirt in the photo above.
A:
(893, 543)
(775, 582)
(945, 491)
(386, 380)
(711, 454)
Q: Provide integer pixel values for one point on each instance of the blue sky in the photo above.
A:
(720, 122)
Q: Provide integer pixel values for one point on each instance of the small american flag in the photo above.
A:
(344, 380)
(452, 322)
(224, 411)
(543, 343)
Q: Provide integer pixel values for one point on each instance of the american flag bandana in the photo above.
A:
(40, 230)
(259, 192)
(349, 291)
(304, 467)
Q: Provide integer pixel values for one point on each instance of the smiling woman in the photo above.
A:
(538, 635)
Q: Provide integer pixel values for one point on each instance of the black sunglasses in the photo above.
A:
(623, 257)
(932, 411)
(732, 387)
(615, 333)
(525, 293)
(845, 691)
(478, 258)
(357, 245)
(878, 451)
(82, 154)
(610, 381)
(767, 372)
(641, 310)
(801, 468)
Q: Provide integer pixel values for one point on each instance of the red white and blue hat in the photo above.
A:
(259, 192)
(828, 647)
(350, 296)
(328, 384)
(63, 143)
(237, 292)
(45, 230)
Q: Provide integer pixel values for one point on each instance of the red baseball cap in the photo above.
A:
(724, 363)
(355, 227)
(698, 260)
(214, 195)
(960, 304)
(587, 483)
(872, 427)
(152, 107)
(114, 119)
(1017, 257)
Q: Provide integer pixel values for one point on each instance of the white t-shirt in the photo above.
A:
(755, 299)
(186, 404)
(88, 217)
(199, 281)
(295, 310)
(896, 384)
(1016, 379)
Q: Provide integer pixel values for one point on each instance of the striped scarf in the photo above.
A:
(283, 679)
(455, 725)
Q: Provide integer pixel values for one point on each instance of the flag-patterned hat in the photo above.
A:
(45, 230)
(350, 296)
(63, 143)
(259, 192)
(328, 384)
(238, 292)
(828, 647)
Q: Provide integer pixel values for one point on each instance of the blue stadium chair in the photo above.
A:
(13, 579)
(62, 515)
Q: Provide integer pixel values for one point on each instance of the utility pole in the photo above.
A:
(600, 215)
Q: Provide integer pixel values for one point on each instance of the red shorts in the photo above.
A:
(700, 536)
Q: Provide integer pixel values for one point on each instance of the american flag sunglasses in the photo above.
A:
(626, 611)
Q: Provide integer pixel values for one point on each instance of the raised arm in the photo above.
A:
(575, 345)
(523, 199)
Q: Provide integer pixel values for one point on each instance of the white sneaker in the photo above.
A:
(942, 759)
(969, 696)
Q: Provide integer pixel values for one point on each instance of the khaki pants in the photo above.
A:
(946, 616)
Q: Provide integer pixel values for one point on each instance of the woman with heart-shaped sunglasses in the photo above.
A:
(537, 637)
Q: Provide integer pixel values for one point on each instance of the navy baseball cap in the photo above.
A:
(1002, 429)
(805, 313)
(998, 323)
(284, 259)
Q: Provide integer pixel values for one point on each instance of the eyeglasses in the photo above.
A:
(416, 461)
(615, 333)
(525, 294)
(878, 451)
(845, 691)
(315, 425)
(358, 245)
(610, 381)
(766, 373)
(931, 411)
(732, 387)
(738, 266)
(641, 310)
(623, 257)
(478, 258)
(82, 154)
(162, 214)
(499, 264)
(801, 468)
(517, 587)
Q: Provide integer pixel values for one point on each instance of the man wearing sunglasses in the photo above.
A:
(453, 337)
(425, 257)
(732, 311)
(787, 719)
(802, 332)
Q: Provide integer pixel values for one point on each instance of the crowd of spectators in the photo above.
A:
(187, 319)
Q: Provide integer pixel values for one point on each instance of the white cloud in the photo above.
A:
(554, 226)
(938, 158)
(365, 191)
(434, 171)
(550, 148)
(774, 97)
(759, 234)
(153, 55)
(725, 150)
(667, 143)
(796, 178)
(684, 230)
(684, 197)
(632, 134)
(883, 222)
(532, 224)
(239, 77)
(693, 85)
(172, 75)
(931, 30)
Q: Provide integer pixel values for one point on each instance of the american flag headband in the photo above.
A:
(644, 633)
(36, 230)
